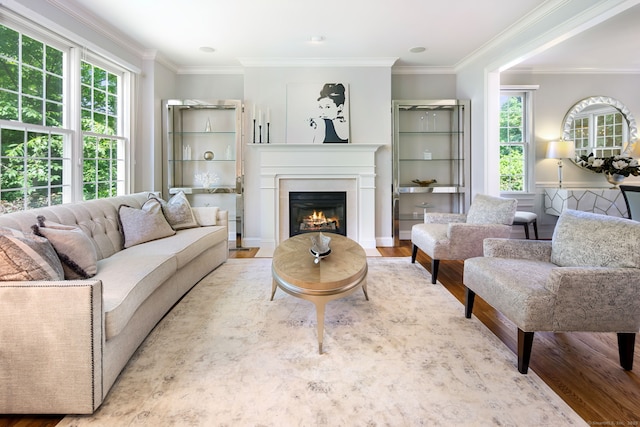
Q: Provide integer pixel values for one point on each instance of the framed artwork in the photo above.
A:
(318, 113)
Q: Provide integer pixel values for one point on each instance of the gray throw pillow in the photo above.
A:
(178, 211)
(27, 257)
(143, 225)
(492, 210)
(75, 249)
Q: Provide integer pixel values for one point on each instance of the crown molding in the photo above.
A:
(541, 70)
(411, 70)
(210, 70)
(318, 62)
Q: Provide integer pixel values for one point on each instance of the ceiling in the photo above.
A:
(240, 31)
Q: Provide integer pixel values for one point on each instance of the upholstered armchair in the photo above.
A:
(452, 236)
(587, 278)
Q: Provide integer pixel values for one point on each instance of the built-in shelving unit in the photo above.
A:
(203, 154)
(431, 144)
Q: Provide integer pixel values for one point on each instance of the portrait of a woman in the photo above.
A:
(330, 125)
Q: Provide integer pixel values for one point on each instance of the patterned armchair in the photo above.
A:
(459, 236)
(587, 278)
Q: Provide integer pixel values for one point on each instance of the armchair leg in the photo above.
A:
(626, 343)
(525, 342)
(469, 297)
(414, 252)
(435, 263)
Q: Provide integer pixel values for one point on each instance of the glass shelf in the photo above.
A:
(203, 133)
(202, 161)
(430, 132)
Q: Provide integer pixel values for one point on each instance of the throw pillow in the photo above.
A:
(177, 211)
(27, 257)
(206, 215)
(143, 225)
(75, 249)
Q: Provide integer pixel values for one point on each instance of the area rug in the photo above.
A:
(227, 356)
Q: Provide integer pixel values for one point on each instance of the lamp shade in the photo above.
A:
(561, 150)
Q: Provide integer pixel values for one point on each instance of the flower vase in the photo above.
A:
(614, 179)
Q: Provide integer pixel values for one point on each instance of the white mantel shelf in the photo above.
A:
(598, 200)
(321, 167)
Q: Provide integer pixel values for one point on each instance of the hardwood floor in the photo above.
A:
(582, 368)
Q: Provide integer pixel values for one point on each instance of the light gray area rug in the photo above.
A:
(227, 356)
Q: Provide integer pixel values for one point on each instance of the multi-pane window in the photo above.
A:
(598, 131)
(34, 146)
(513, 141)
(39, 136)
(103, 151)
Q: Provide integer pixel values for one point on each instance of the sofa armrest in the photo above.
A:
(51, 347)
(537, 250)
(443, 218)
(596, 299)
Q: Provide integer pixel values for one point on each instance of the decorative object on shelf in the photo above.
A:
(254, 123)
(208, 155)
(207, 127)
(268, 122)
(615, 168)
(186, 152)
(206, 179)
(561, 149)
(425, 183)
(320, 247)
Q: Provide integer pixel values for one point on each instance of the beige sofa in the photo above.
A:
(64, 343)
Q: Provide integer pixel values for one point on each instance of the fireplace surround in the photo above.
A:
(316, 167)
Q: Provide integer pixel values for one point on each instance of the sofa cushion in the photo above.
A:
(206, 216)
(27, 257)
(187, 244)
(128, 279)
(178, 211)
(144, 224)
(75, 250)
(492, 210)
(589, 239)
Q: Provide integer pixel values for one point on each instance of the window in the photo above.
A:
(515, 137)
(44, 158)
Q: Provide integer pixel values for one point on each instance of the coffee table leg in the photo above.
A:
(320, 316)
(274, 286)
(364, 289)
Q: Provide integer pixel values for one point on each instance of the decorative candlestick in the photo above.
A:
(268, 125)
(254, 130)
(260, 133)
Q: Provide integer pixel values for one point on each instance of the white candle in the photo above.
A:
(259, 117)
(268, 115)
(254, 111)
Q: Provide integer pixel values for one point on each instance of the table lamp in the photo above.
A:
(560, 150)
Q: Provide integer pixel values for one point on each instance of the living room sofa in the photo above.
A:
(63, 343)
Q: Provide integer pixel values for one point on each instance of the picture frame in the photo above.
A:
(318, 113)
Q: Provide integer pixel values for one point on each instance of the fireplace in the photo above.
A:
(324, 211)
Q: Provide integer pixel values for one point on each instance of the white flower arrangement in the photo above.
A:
(619, 165)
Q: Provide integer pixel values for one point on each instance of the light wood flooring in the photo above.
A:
(582, 368)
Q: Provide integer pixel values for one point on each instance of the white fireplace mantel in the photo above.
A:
(348, 166)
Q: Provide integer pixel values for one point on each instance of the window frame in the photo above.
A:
(527, 143)
(73, 55)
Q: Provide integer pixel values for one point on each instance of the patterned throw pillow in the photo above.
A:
(143, 225)
(206, 216)
(75, 250)
(178, 211)
(27, 257)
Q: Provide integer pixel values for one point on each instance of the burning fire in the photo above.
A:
(318, 221)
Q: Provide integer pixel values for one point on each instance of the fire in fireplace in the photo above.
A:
(324, 211)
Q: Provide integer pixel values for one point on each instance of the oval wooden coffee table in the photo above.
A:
(335, 276)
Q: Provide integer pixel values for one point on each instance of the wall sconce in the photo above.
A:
(560, 150)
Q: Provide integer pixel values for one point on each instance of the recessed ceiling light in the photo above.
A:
(207, 49)
(316, 39)
(417, 49)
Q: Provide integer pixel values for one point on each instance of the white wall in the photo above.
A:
(370, 116)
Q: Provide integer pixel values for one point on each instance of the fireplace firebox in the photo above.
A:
(311, 211)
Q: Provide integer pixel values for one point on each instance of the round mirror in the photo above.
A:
(601, 125)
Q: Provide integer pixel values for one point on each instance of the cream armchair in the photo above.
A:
(587, 278)
(459, 236)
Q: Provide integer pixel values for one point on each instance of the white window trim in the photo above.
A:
(529, 146)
